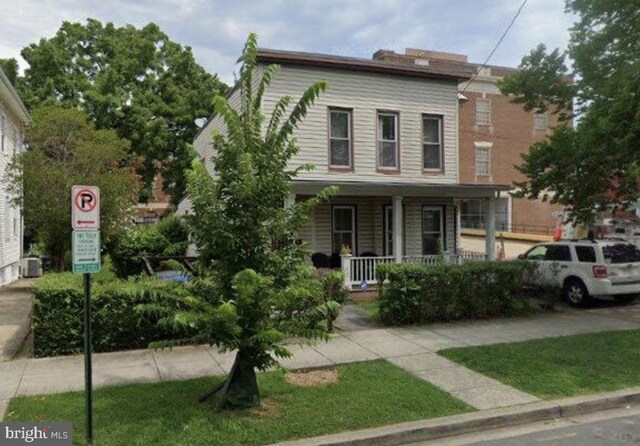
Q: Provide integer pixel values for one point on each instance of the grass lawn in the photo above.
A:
(371, 306)
(367, 395)
(559, 367)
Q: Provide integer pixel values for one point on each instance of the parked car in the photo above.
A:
(586, 269)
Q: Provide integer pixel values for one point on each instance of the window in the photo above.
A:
(15, 140)
(483, 160)
(540, 121)
(621, 253)
(432, 229)
(558, 253)
(432, 142)
(483, 112)
(586, 254)
(388, 141)
(3, 131)
(537, 253)
(473, 214)
(340, 138)
(344, 227)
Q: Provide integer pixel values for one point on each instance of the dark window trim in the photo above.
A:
(388, 170)
(350, 167)
(425, 170)
(355, 227)
(443, 207)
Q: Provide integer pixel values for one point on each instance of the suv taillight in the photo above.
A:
(600, 272)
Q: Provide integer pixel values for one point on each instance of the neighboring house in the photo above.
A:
(493, 134)
(387, 135)
(13, 120)
(159, 204)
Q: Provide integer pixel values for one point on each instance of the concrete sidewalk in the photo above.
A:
(15, 313)
(413, 349)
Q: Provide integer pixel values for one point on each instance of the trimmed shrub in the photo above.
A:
(333, 285)
(416, 293)
(58, 322)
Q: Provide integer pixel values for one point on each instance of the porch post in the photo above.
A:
(397, 228)
(490, 229)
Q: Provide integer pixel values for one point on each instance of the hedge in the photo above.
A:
(57, 319)
(416, 293)
(58, 314)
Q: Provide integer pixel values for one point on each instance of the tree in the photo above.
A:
(135, 81)
(260, 290)
(10, 68)
(596, 164)
(65, 149)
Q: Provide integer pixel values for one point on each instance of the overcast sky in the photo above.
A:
(216, 29)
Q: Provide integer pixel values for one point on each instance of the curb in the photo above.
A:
(425, 430)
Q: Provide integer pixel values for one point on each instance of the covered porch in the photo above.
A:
(391, 223)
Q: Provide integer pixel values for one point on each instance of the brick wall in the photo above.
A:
(511, 132)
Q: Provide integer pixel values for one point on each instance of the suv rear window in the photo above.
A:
(621, 253)
(586, 254)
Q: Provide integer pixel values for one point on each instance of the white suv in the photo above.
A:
(586, 269)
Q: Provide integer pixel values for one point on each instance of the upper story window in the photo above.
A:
(483, 112)
(540, 121)
(432, 147)
(388, 141)
(483, 159)
(340, 138)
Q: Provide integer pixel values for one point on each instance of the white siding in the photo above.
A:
(366, 93)
(10, 217)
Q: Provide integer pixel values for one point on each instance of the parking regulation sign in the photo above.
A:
(86, 251)
(85, 207)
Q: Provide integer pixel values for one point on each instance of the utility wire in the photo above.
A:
(504, 34)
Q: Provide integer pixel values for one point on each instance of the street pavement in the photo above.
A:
(617, 427)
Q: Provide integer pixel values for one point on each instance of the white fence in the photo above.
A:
(358, 270)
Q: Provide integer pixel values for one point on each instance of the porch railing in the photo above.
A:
(358, 270)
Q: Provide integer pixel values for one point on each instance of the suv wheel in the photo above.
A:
(575, 292)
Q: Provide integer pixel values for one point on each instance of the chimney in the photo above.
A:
(435, 55)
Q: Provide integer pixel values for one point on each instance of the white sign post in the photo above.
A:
(85, 221)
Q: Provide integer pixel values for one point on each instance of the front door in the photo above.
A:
(432, 229)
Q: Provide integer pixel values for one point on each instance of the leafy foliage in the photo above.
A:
(595, 165)
(169, 237)
(66, 149)
(133, 80)
(58, 308)
(248, 239)
(417, 293)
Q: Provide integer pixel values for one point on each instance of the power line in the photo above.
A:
(504, 34)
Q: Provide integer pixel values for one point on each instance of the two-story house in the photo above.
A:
(387, 135)
(13, 120)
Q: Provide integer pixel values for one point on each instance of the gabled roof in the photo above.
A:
(10, 97)
(453, 74)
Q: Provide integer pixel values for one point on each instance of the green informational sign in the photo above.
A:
(86, 252)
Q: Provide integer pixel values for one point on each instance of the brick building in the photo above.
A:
(158, 205)
(493, 133)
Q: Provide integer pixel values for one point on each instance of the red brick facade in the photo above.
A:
(509, 133)
(158, 205)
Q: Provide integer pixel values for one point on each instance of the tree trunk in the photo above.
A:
(240, 389)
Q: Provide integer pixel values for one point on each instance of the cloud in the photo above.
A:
(216, 29)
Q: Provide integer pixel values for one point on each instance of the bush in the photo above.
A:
(170, 237)
(333, 285)
(58, 322)
(414, 293)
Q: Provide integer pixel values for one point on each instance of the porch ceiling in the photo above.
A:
(390, 188)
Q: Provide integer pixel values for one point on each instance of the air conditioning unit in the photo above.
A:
(31, 267)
